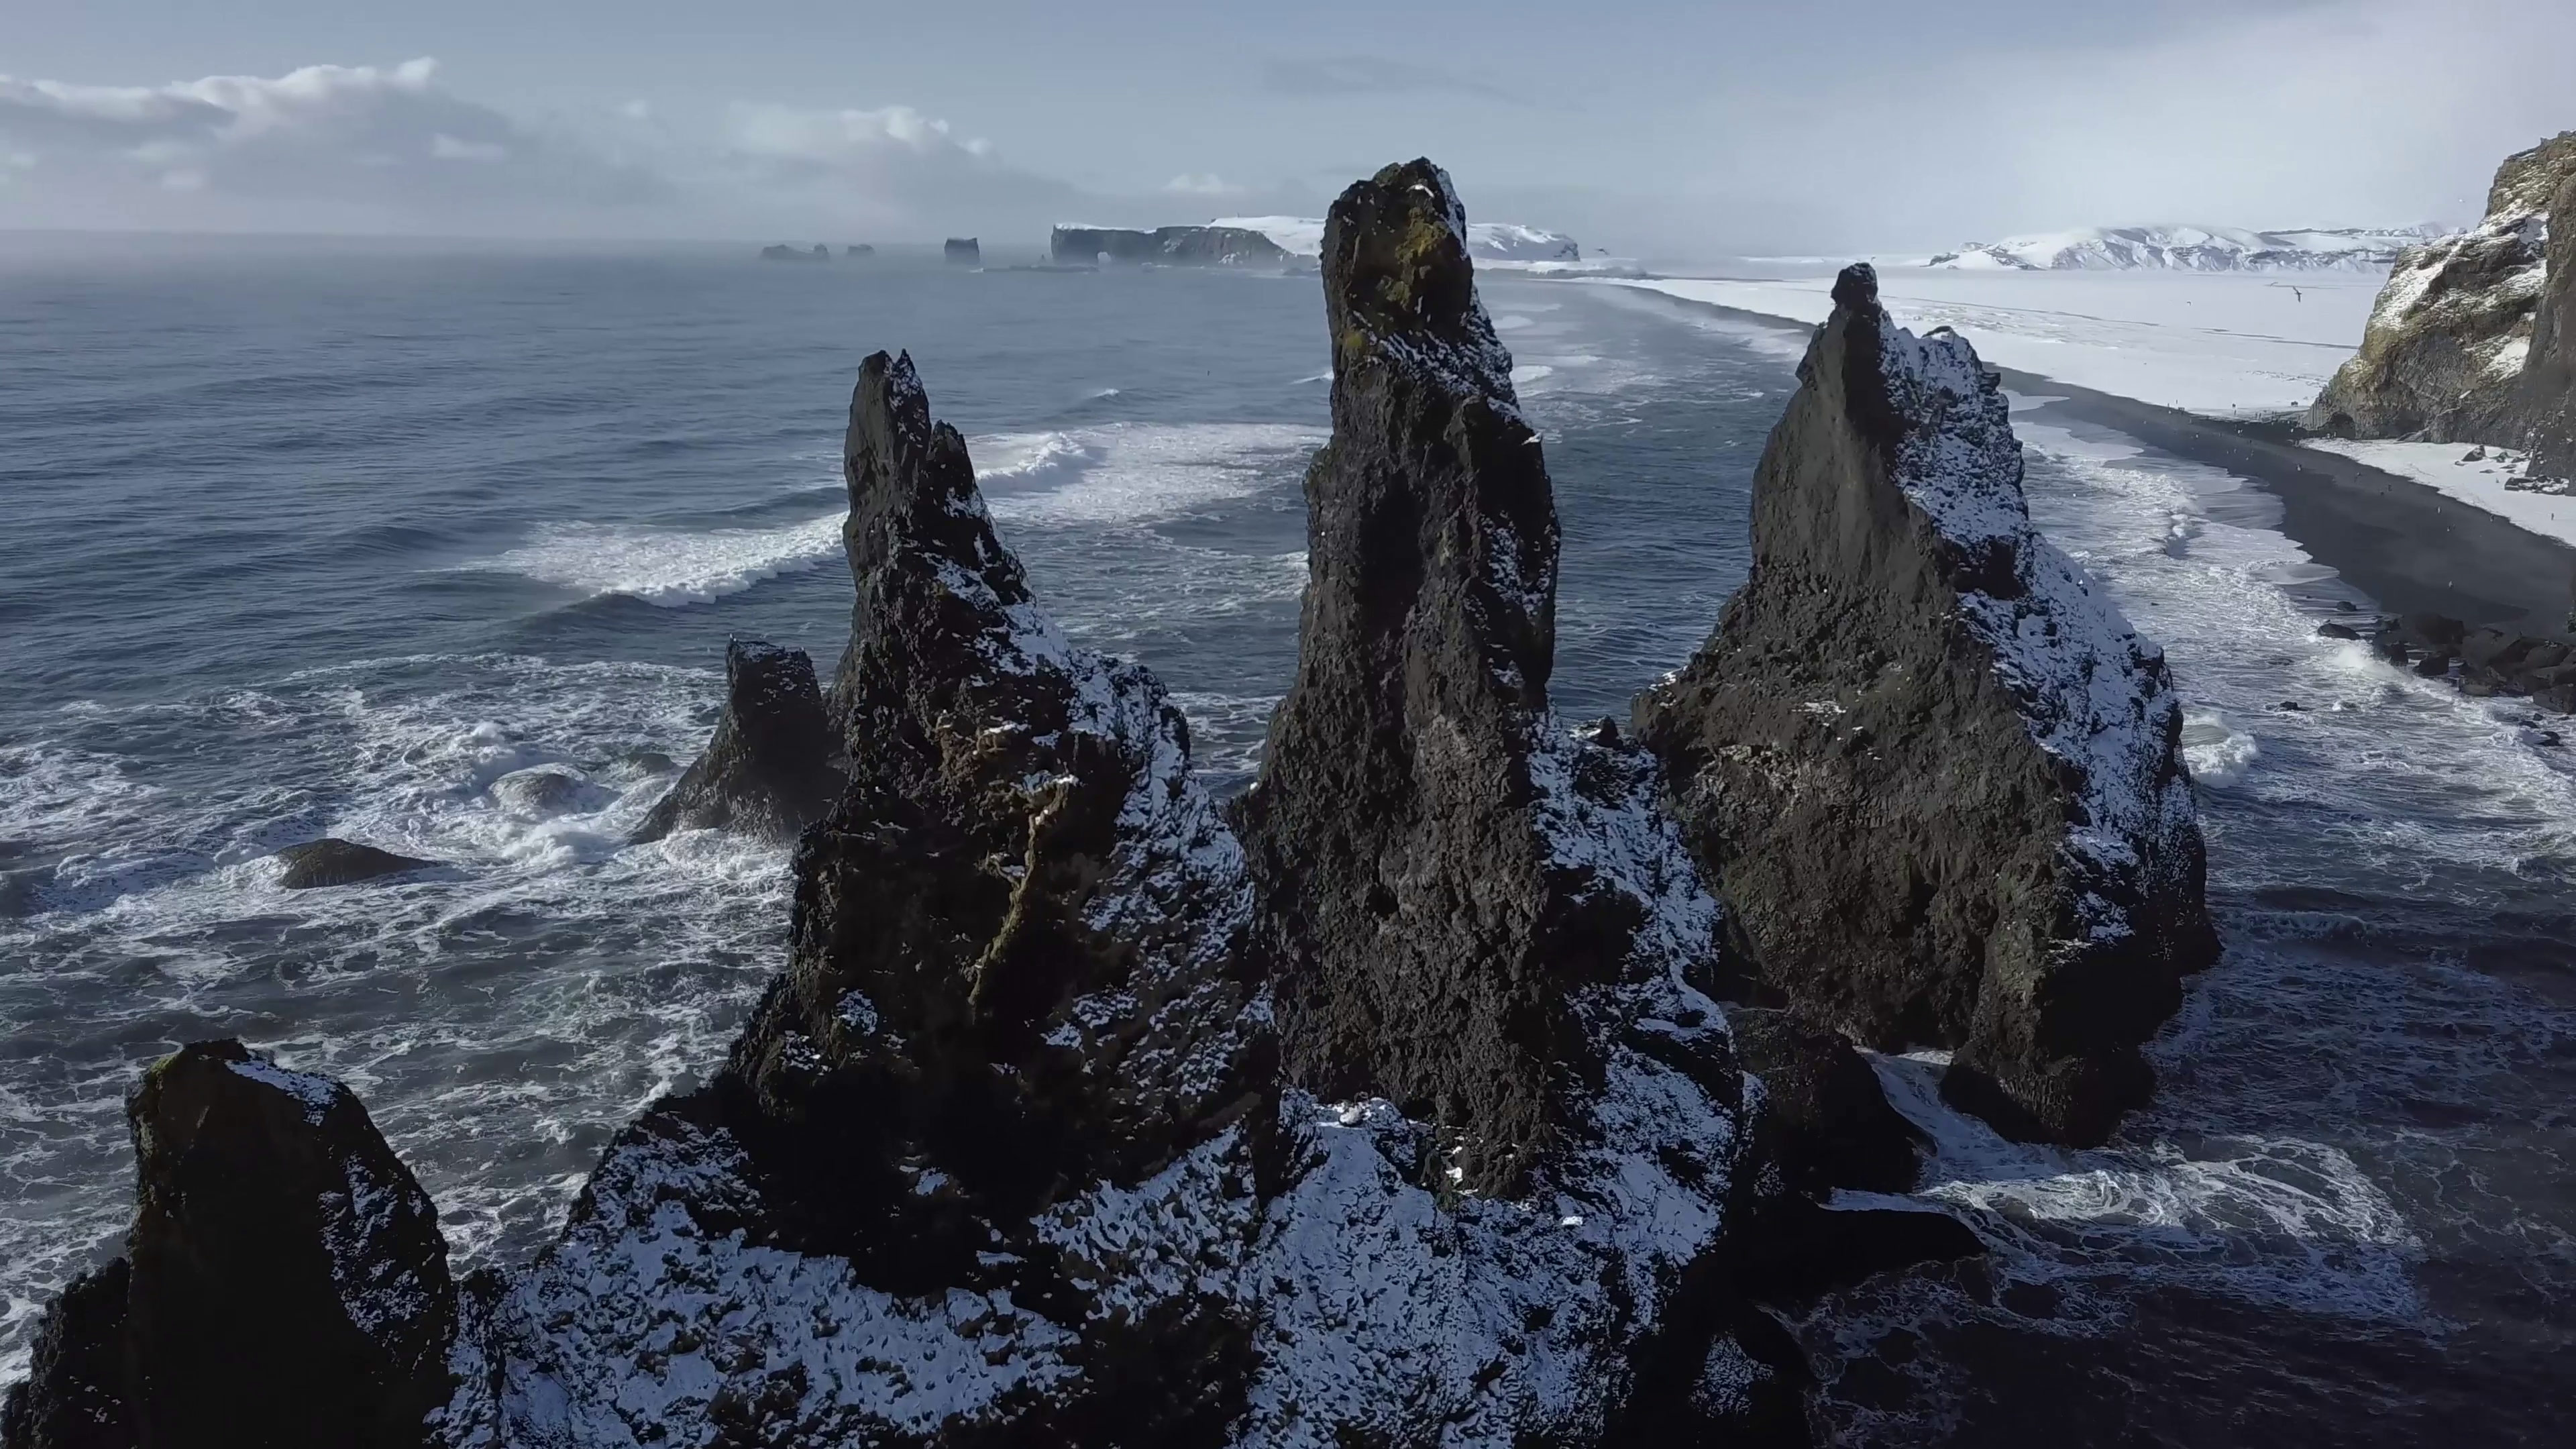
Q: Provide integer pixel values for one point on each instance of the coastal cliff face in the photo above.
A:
(2443, 356)
(2548, 402)
(1180, 246)
(284, 1282)
(1935, 775)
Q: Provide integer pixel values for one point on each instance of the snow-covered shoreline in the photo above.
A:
(2479, 477)
(2227, 345)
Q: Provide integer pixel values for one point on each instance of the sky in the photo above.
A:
(1670, 129)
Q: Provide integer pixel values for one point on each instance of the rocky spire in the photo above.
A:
(1015, 960)
(1393, 821)
(768, 769)
(1935, 774)
(284, 1270)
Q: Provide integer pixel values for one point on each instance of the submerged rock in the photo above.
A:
(1938, 777)
(768, 771)
(2443, 356)
(284, 1281)
(331, 862)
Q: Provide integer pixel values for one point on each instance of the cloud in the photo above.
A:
(367, 146)
(1365, 75)
(888, 172)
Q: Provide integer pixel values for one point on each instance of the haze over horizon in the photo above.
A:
(1649, 129)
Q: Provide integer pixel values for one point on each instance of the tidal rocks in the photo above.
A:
(284, 1280)
(2444, 354)
(1177, 246)
(768, 771)
(1935, 775)
(331, 861)
(963, 251)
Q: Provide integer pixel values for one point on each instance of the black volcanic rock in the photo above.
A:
(1006, 1157)
(2445, 351)
(2547, 405)
(1937, 778)
(285, 1282)
(1433, 935)
(768, 769)
(1828, 1119)
(332, 862)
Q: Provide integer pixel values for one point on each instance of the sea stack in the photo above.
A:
(1935, 774)
(2442, 359)
(284, 1271)
(963, 251)
(768, 771)
(1430, 940)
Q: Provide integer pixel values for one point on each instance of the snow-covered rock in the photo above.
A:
(2443, 356)
(1937, 776)
(2190, 248)
(284, 1282)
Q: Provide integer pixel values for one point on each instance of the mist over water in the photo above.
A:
(343, 545)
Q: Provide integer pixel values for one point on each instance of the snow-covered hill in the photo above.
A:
(1487, 241)
(2189, 248)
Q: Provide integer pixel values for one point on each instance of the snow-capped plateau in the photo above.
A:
(2190, 248)
(1487, 241)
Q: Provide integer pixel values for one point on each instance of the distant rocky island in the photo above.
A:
(2189, 249)
(962, 250)
(1480, 1077)
(783, 253)
(1171, 246)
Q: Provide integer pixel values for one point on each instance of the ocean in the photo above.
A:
(309, 539)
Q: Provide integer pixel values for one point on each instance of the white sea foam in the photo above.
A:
(667, 566)
(1132, 472)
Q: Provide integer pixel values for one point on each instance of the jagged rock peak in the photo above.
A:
(284, 1270)
(768, 769)
(1399, 289)
(1936, 774)
(2444, 353)
(1393, 820)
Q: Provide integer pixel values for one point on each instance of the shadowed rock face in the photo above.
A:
(768, 770)
(1936, 777)
(1393, 824)
(2444, 354)
(2548, 404)
(1185, 246)
(284, 1271)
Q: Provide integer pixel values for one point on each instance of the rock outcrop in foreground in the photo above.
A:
(768, 770)
(1936, 776)
(1402, 1117)
(2444, 354)
(331, 861)
(285, 1282)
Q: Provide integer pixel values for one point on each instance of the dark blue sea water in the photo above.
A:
(306, 540)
